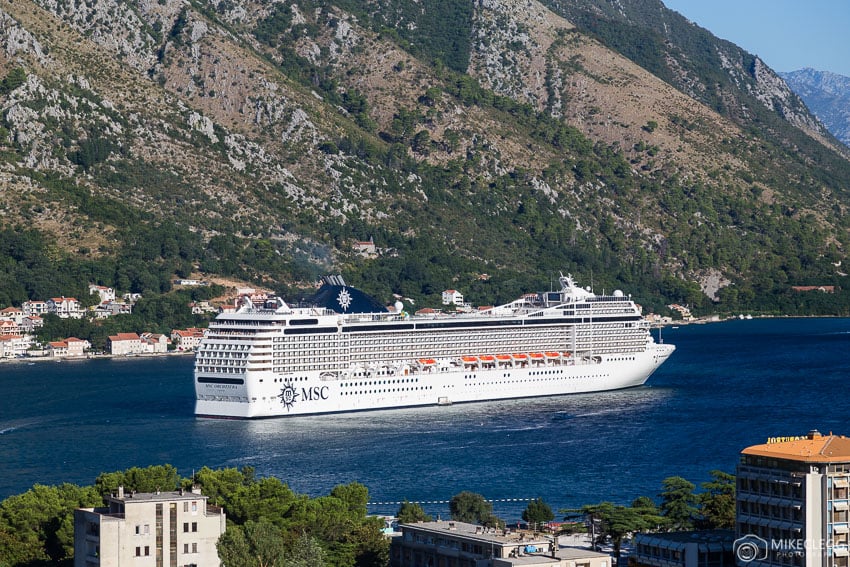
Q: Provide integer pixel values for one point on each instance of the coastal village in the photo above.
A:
(18, 326)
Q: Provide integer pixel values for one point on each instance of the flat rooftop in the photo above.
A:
(710, 540)
(161, 496)
(475, 532)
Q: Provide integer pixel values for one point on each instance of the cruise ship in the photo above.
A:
(345, 352)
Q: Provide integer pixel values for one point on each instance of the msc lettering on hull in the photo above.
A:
(314, 393)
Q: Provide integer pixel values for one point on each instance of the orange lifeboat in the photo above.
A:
(520, 356)
(503, 357)
(427, 361)
(470, 359)
(486, 358)
(536, 355)
(567, 354)
(553, 355)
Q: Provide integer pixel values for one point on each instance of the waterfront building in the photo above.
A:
(792, 502)
(187, 339)
(459, 544)
(710, 548)
(124, 344)
(149, 529)
(70, 347)
(14, 346)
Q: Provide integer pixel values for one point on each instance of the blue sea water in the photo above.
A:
(727, 386)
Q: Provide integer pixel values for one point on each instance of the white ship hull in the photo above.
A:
(260, 396)
(277, 362)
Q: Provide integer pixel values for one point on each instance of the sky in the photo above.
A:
(786, 34)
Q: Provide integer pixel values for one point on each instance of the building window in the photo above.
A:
(138, 530)
(185, 506)
(185, 548)
(138, 552)
(185, 527)
(194, 548)
(147, 550)
(194, 526)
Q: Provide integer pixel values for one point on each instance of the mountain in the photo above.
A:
(718, 73)
(261, 141)
(827, 95)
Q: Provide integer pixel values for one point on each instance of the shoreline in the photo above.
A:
(34, 359)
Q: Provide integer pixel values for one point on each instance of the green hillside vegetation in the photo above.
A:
(444, 203)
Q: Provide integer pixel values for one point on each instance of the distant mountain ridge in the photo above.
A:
(827, 95)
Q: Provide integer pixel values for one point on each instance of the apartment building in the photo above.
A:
(149, 529)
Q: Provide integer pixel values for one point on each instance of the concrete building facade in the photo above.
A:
(793, 501)
(709, 548)
(150, 529)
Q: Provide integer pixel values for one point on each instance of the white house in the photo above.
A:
(12, 314)
(452, 297)
(36, 307)
(154, 342)
(187, 339)
(70, 347)
(105, 293)
(12, 346)
(365, 247)
(65, 307)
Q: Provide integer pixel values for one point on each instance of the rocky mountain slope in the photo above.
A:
(827, 95)
(264, 139)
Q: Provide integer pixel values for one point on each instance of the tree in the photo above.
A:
(472, 508)
(150, 479)
(678, 503)
(37, 527)
(717, 503)
(411, 512)
(537, 512)
(256, 544)
(616, 521)
(306, 553)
